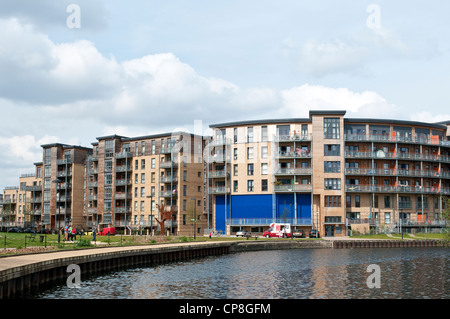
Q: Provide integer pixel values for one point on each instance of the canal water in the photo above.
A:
(406, 273)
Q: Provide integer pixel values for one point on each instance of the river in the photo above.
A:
(403, 273)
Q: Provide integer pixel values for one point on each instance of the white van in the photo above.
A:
(278, 230)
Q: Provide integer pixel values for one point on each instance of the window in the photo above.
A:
(235, 135)
(264, 186)
(235, 186)
(250, 169)
(235, 154)
(348, 200)
(142, 206)
(142, 191)
(250, 135)
(143, 148)
(332, 150)
(235, 169)
(263, 133)
(250, 185)
(332, 167)
(264, 152)
(331, 128)
(387, 202)
(153, 146)
(143, 164)
(47, 155)
(153, 163)
(387, 218)
(142, 178)
(249, 152)
(264, 169)
(332, 201)
(332, 183)
(109, 144)
(357, 201)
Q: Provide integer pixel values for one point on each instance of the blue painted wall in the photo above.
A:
(260, 206)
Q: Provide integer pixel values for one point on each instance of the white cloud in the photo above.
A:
(299, 100)
(350, 55)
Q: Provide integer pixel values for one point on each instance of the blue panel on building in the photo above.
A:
(251, 206)
(260, 207)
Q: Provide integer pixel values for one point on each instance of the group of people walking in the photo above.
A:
(70, 233)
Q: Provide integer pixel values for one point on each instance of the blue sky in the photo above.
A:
(139, 67)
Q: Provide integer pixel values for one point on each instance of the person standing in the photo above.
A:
(94, 232)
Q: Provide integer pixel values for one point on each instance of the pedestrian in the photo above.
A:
(94, 232)
(209, 235)
(74, 233)
(66, 232)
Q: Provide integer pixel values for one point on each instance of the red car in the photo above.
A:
(108, 231)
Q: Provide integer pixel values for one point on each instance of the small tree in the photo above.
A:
(166, 214)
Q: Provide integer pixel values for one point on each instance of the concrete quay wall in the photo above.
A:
(24, 273)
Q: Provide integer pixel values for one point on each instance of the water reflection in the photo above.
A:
(306, 273)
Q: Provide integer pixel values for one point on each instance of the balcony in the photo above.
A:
(169, 193)
(295, 188)
(92, 184)
(218, 190)
(397, 155)
(123, 210)
(395, 172)
(34, 188)
(217, 174)
(124, 154)
(168, 164)
(268, 221)
(168, 179)
(293, 138)
(64, 173)
(293, 171)
(65, 161)
(393, 138)
(123, 196)
(123, 182)
(407, 189)
(123, 168)
(295, 154)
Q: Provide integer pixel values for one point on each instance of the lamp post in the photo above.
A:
(58, 184)
(195, 214)
(151, 215)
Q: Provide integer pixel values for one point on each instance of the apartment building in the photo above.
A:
(328, 172)
(21, 205)
(132, 182)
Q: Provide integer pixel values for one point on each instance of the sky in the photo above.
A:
(75, 70)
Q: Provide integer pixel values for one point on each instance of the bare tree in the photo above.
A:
(166, 214)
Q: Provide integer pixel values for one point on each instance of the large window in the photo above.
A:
(331, 128)
(332, 183)
(332, 167)
(332, 201)
(332, 150)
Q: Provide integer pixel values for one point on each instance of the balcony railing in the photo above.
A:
(293, 171)
(124, 154)
(217, 174)
(396, 189)
(399, 172)
(219, 190)
(398, 155)
(294, 154)
(168, 179)
(268, 221)
(411, 139)
(292, 137)
(301, 188)
(168, 164)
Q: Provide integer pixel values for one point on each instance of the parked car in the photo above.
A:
(29, 230)
(108, 231)
(243, 233)
(14, 230)
(314, 233)
(298, 233)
